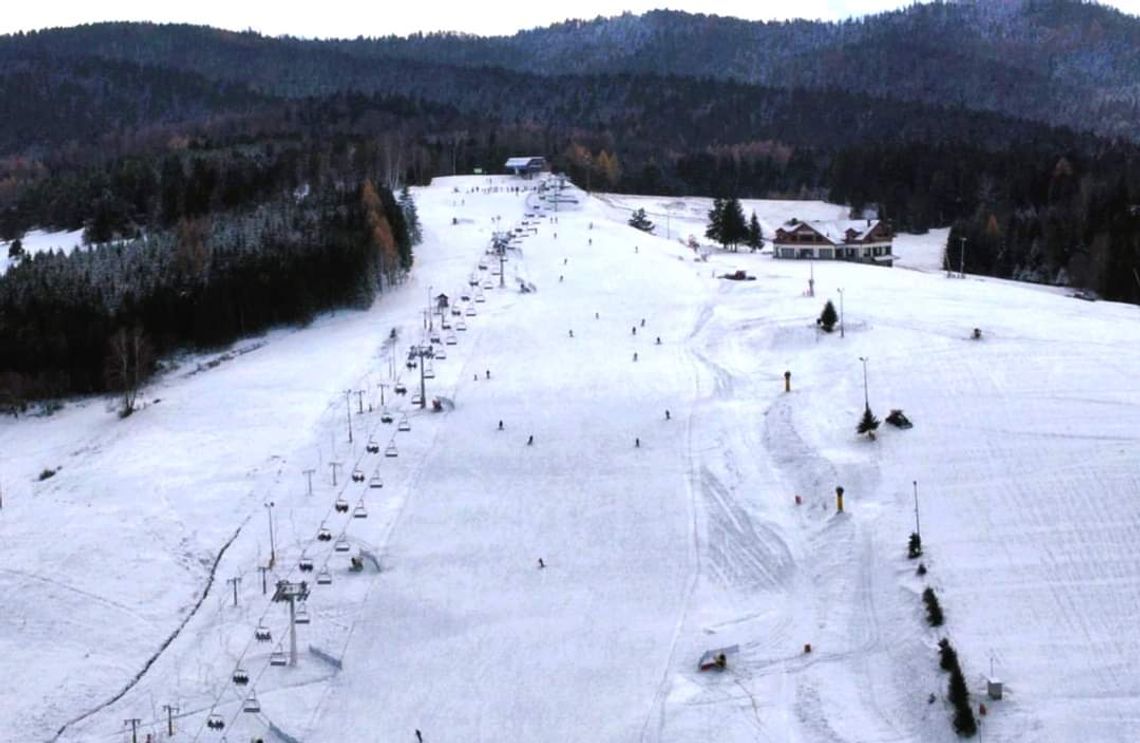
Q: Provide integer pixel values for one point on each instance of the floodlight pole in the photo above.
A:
(334, 465)
(272, 545)
(842, 334)
(917, 530)
(234, 582)
(962, 259)
(382, 385)
(348, 412)
(866, 399)
(309, 476)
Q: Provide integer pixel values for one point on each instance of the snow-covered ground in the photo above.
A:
(1024, 450)
(38, 241)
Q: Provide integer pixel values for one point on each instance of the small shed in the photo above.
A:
(994, 688)
(442, 302)
(717, 659)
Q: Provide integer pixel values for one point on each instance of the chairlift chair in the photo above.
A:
(488, 284)
(461, 325)
(341, 505)
(434, 337)
(251, 704)
(405, 424)
(385, 416)
(302, 615)
(417, 400)
(241, 677)
(441, 354)
(341, 545)
(376, 482)
(482, 266)
(324, 535)
(262, 633)
(401, 389)
(215, 722)
(324, 577)
(465, 296)
(445, 324)
(373, 446)
(360, 512)
(305, 565)
(277, 657)
(429, 373)
(480, 298)
(392, 451)
(470, 312)
(452, 339)
(358, 475)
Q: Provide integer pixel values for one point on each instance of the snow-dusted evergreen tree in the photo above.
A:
(715, 230)
(641, 222)
(868, 423)
(734, 228)
(828, 317)
(16, 249)
(755, 234)
(411, 218)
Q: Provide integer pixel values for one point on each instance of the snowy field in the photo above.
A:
(1025, 451)
(38, 241)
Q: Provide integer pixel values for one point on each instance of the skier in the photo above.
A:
(634, 330)
(541, 564)
(643, 322)
(565, 261)
(560, 278)
(488, 374)
(637, 443)
(659, 340)
(596, 316)
(500, 425)
(476, 378)
(667, 417)
(530, 441)
(571, 333)
(419, 737)
(635, 355)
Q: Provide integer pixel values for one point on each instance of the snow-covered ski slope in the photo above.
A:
(1024, 450)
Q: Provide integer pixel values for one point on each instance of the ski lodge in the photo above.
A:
(525, 167)
(857, 240)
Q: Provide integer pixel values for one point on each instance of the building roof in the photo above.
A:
(522, 162)
(836, 230)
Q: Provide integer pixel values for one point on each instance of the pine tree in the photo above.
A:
(715, 230)
(933, 609)
(755, 234)
(411, 217)
(734, 228)
(16, 249)
(914, 546)
(868, 423)
(828, 317)
(640, 221)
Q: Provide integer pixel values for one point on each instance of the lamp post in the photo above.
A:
(841, 330)
(272, 543)
(866, 399)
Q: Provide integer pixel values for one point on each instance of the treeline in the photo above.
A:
(208, 280)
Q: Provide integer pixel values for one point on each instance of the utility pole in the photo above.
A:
(234, 582)
(866, 399)
(170, 718)
(348, 412)
(134, 723)
(334, 465)
(841, 332)
(917, 530)
(272, 544)
(962, 259)
(264, 569)
(309, 476)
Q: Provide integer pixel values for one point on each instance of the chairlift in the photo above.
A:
(324, 577)
(262, 633)
(461, 325)
(456, 311)
(358, 475)
(251, 704)
(241, 677)
(324, 535)
(445, 324)
(482, 266)
(401, 389)
(305, 565)
(373, 447)
(360, 512)
(302, 615)
(341, 505)
(391, 451)
(376, 482)
(452, 339)
(386, 416)
(405, 424)
(480, 298)
(277, 657)
(470, 312)
(417, 399)
(215, 722)
(429, 373)
(488, 284)
(341, 545)
(465, 296)
(434, 337)
(411, 364)
(441, 354)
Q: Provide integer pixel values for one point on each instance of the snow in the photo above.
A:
(1024, 451)
(39, 241)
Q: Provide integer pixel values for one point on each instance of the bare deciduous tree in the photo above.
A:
(129, 357)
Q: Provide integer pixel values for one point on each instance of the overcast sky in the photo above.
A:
(350, 18)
